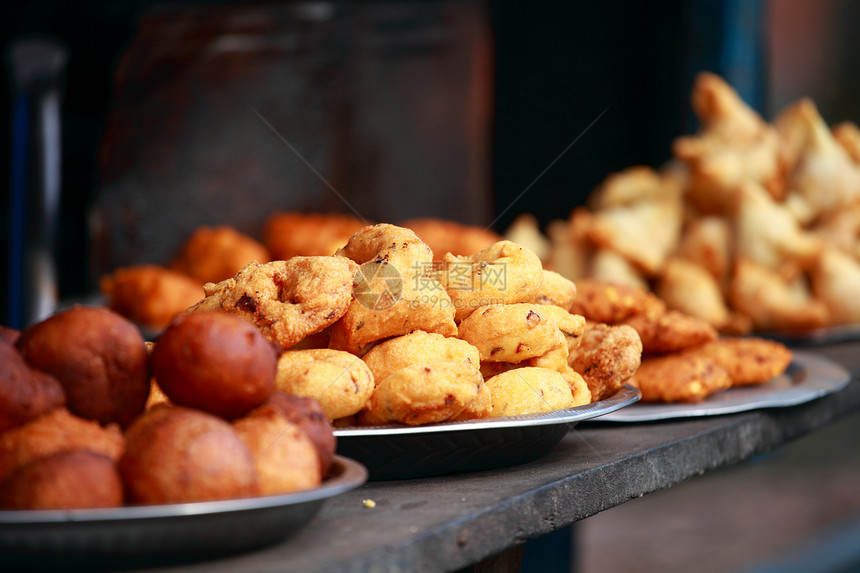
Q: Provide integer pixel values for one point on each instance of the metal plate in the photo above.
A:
(808, 377)
(160, 534)
(400, 452)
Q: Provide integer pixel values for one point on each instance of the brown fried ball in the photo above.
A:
(215, 362)
(76, 479)
(290, 234)
(9, 334)
(56, 431)
(25, 393)
(178, 455)
(307, 414)
(150, 295)
(98, 356)
(285, 457)
(213, 254)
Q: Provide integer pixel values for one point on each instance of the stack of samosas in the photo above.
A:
(753, 226)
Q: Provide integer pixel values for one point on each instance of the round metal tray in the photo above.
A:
(160, 534)
(400, 452)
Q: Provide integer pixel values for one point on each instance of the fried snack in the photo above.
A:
(513, 332)
(670, 331)
(525, 231)
(557, 359)
(689, 288)
(8, 334)
(56, 431)
(848, 136)
(450, 237)
(840, 229)
(25, 393)
(628, 187)
(418, 347)
(681, 377)
(824, 175)
(571, 247)
(600, 301)
(771, 302)
(555, 290)
(75, 479)
(286, 300)
(479, 408)
(285, 458)
(644, 232)
(340, 381)
(528, 390)
(150, 295)
(213, 254)
(767, 234)
(290, 234)
(835, 278)
(385, 243)
(503, 273)
(308, 415)
(423, 394)
(178, 455)
(607, 357)
(216, 362)
(747, 360)
(707, 241)
(608, 266)
(98, 356)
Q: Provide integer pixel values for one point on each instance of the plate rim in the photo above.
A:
(822, 376)
(352, 475)
(625, 396)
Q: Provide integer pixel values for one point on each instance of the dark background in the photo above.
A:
(614, 77)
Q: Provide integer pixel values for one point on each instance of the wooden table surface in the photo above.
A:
(452, 522)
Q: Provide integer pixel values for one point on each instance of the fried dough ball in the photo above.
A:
(286, 300)
(308, 415)
(418, 347)
(555, 290)
(607, 357)
(98, 356)
(480, 407)
(557, 359)
(503, 273)
(517, 332)
(150, 295)
(213, 254)
(56, 431)
(423, 394)
(178, 455)
(389, 303)
(285, 458)
(216, 362)
(450, 237)
(395, 245)
(340, 381)
(290, 234)
(748, 360)
(528, 390)
(680, 377)
(671, 331)
(75, 479)
(600, 301)
(25, 393)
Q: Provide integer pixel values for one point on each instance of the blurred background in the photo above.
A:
(218, 112)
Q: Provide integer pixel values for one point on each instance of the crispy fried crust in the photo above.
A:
(748, 360)
(607, 357)
(528, 390)
(680, 378)
(286, 300)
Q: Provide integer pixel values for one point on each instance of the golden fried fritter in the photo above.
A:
(681, 377)
(341, 382)
(555, 290)
(511, 332)
(286, 300)
(609, 303)
(290, 234)
(150, 295)
(528, 390)
(748, 360)
(607, 357)
(418, 347)
(213, 254)
(451, 237)
(423, 394)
